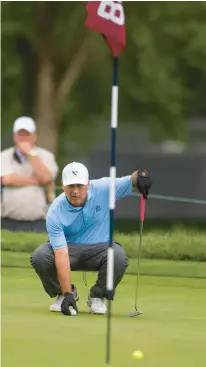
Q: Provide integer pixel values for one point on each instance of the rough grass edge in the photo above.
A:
(177, 244)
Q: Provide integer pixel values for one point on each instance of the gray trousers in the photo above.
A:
(84, 258)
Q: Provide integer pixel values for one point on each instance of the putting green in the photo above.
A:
(171, 332)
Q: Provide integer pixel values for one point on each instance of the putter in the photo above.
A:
(137, 312)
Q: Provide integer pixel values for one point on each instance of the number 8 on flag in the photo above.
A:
(108, 19)
(113, 11)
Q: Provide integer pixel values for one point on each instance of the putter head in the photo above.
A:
(134, 314)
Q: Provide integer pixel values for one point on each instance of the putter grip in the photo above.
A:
(142, 208)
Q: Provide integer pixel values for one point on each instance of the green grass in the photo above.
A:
(176, 244)
(171, 332)
(155, 267)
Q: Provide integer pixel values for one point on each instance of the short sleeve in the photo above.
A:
(123, 187)
(56, 234)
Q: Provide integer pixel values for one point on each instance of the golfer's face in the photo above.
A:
(76, 194)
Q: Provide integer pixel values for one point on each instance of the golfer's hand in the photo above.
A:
(68, 302)
(144, 182)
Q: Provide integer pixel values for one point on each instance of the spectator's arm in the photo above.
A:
(40, 170)
(45, 169)
(10, 178)
(14, 179)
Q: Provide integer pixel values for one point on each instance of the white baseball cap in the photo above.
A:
(24, 123)
(75, 173)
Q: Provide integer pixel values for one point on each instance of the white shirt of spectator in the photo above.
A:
(28, 202)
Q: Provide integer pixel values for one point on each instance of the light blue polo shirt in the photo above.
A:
(85, 225)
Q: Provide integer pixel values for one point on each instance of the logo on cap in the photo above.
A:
(75, 173)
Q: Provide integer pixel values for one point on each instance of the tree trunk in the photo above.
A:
(72, 72)
(51, 96)
(46, 108)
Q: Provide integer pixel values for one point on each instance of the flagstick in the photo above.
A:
(110, 258)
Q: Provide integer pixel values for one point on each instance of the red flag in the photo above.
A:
(108, 19)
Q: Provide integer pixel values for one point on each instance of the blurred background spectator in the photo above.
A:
(27, 179)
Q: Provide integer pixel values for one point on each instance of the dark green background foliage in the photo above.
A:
(162, 71)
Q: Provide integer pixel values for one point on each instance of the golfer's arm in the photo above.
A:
(19, 180)
(134, 180)
(62, 263)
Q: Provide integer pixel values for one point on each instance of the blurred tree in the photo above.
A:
(46, 48)
(166, 50)
(53, 48)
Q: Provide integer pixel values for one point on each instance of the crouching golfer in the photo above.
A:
(78, 227)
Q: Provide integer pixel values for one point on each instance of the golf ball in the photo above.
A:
(73, 312)
(137, 354)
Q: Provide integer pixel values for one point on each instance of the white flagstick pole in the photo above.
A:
(110, 258)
